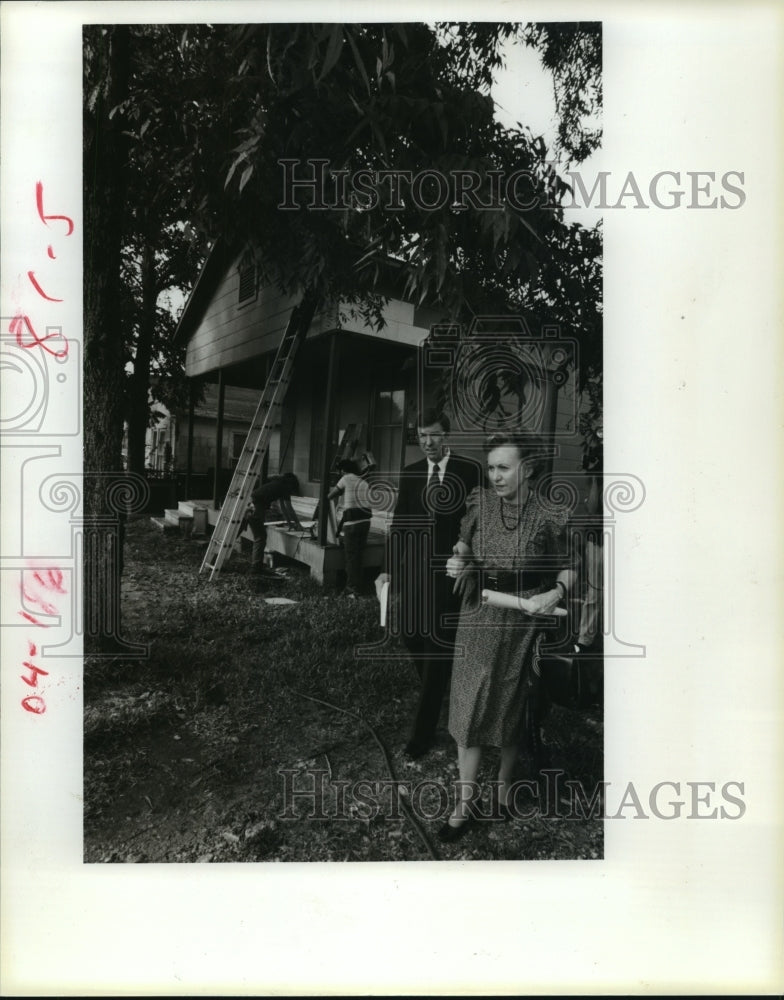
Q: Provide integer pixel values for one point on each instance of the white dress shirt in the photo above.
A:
(440, 465)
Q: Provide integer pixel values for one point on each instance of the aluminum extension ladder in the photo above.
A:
(246, 474)
(349, 440)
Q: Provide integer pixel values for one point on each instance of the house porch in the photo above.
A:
(325, 562)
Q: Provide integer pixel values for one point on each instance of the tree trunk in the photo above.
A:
(104, 206)
(139, 388)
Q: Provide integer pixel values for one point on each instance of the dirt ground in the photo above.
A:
(243, 733)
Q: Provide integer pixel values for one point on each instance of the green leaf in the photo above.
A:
(269, 56)
(247, 173)
(358, 60)
(232, 169)
(334, 49)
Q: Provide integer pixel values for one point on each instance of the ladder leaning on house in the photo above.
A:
(243, 481)
(349, 440)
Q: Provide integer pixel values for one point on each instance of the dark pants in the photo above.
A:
(259, 532)
(431, 646)
(434, 675)
(354, 535)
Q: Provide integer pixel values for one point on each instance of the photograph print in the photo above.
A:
(344, 506)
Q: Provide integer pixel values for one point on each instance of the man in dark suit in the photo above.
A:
(430, 504)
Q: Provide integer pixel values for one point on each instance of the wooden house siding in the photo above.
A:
(204, 443)
(230, 332)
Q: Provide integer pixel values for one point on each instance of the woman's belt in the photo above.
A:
(356, 514)
(511, 581)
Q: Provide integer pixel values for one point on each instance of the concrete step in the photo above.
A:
(164, 525)
(187, 507)
(172, 517)
(194, 516)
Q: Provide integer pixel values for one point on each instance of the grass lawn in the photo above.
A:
(191, 752)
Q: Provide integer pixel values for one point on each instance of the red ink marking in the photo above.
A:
(38, 708)
(53, 581)
(39, 201)
(40, 290)
(45, 606)
(36, 671)
(35, 621)
(15, 327)
(50, 252)
(48, 579)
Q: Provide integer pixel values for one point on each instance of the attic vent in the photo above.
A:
(247, 271)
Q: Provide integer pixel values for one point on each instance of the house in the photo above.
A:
(167, 440)
(348, 375)
(239, 405)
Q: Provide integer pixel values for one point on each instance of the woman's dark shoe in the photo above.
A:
(414, 750)
(449, 834)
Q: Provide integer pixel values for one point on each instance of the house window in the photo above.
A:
(237, 443)
(387, 431)
(248, 284)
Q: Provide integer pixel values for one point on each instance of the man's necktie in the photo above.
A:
(431, 490)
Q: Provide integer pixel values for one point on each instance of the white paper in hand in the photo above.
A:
(383, 599)
(499, 600)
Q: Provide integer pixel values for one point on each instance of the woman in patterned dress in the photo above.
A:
(512, 541)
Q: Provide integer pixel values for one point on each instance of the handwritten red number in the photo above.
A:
(45, 606)
(49, 579)
(39, 202)
(33, 682)
(37, 287)
(30, 618)
(34, 703)
(52, 581)
(16, 327)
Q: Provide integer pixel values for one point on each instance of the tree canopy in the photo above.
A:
(214, 120)
(571, 51)
(401, 99)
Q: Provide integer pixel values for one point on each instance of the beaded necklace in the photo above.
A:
(518, 504)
